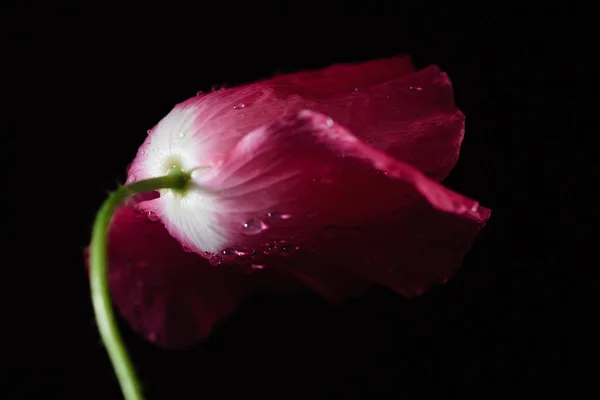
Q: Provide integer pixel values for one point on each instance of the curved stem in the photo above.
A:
(100, 292)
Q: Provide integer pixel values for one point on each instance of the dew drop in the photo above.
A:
(288, 250)
(475, 207)
(329, 122)
(229, 255)
(152, 216)
(181, 135)
(278, 217)
(270, 250)
(253, 227)
(417, 88)
(356, 89)
(257, 266)
(130, 179)
(239, 105)
(149, 131)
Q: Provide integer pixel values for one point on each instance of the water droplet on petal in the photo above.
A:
(288, 250)
(278, 217)
(329, 122)
(356, 89)
(130, 179)
(152, 216)
(254, 227)
(269, 250)
(417, 88)
(181, 135)
(257, 266)
(229, 255)
(149, 131)
(475, 207)
(239, 105)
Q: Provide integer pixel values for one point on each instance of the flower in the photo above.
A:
(327, 179)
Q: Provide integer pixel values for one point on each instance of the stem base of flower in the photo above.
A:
(100, 292)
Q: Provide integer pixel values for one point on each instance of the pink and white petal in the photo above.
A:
(306, 181)
(198, 132)
(171, 297)
(413, 117)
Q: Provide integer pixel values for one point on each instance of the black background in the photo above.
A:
(82, 84)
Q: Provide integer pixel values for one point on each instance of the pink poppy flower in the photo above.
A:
(325, 179)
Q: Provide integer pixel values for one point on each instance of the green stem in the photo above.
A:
(100, 292)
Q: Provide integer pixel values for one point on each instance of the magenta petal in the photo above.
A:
(331, 280)
(171, 297)
(365, 212)
(413, 118)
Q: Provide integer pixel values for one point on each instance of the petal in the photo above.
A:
(171, 297)
(412, 117)
(304, 182)
(344, 78)
(332, 281)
